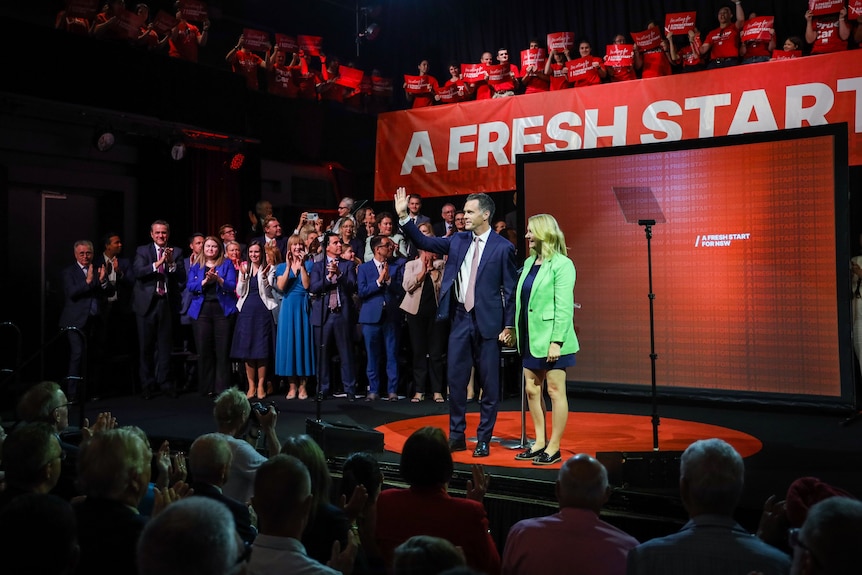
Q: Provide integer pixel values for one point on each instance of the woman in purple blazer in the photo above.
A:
(212, 283)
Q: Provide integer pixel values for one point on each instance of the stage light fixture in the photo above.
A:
(178, 150)
(104, 140)
(236, 161)
(371, 32)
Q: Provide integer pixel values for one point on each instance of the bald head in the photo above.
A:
(209, 459)
(582, 483)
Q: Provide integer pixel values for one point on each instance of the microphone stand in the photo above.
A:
(321, 354)
(648, 224)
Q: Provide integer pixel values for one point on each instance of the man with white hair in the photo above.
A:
(194, 536)
(711, 542)
(829, 540)
(574, 540)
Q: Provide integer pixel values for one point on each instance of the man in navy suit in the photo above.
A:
(117, 310)
(478, 295)
(446, 227)
(85, 288)
(333, 283)
(380, 292)
(160, 277)
(272, 235)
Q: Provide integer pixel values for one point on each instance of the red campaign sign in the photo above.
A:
(473, 73)
(255, 40)
(473, 146)
(823, 7)
(416, 84)
(786, 54)
(82, 9)
(381, 86)
(130, 24)
(349, 77)
(578, 67)
(619, 55)
(534, 57)
(499, 73)
(649, 39)
(561, 41)
(163, 22)
(679, 23)
(448, 94)
(193, 10)
(758, 29)
(286, 44)
(854, 9)
(310, 44)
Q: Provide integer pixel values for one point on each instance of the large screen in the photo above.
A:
(748, 256)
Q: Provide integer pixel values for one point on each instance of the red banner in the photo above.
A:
(823, 7)
(163, 22)
(578, 67)
(255, 40)
(786, 54)
(416, 84)
(472, 73)
(854, 9)
(310, 44)
(193, 10)
(349, 77)
(561, 41)
(649, 39)
(534, 57)
(286, 44)
(473, 146)
(758, 29)
(619, 55)
(679, 23)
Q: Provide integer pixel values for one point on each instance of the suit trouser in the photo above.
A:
(468, 349)
(154, 338)
(336, 327)
(381, 343)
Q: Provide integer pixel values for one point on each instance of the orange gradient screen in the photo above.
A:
(743, 269)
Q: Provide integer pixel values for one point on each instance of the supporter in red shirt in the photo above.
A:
(685, 52)
(721, 45)
(245, 63)
(508, 86)
(455, 80)
(185, 38)
(827, 33)
(428, 98)
(73, 25)
(280, 79)
(328, 89)
(555, 69)
(595, 72)
(148, 37)
(482, 89)
(107, 23)
(305, 78)
(532, 78)
(620, 73)
(753, 51)
(653, 63)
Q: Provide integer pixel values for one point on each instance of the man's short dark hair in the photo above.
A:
(106, 239)
(426, 460)
(486, 204)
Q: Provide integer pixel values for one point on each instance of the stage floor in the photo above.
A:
(779, 445)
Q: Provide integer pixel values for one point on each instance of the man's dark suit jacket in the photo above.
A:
(440, 229)
(320, 288)
(145, 278)
(240, 513)
(79, 296)
(125, 281)
(108, 533)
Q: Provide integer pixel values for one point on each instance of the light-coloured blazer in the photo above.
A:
(551, 308)
(413, 289)
(264, 287)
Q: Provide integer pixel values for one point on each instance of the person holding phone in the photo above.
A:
(546, 335)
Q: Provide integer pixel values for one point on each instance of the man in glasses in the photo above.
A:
(830, 538)
(32, 458)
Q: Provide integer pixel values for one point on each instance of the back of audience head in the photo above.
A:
(193, 536)
(46, 402)
(115, 464)
(39, 536)
(361, 468)
(426, 555)
(426, 460)
(582, 483)
(711, 477)
(830, 539)
(210, 458)
(282, 495)
(304, 448)
(32, 457)
(232, 409)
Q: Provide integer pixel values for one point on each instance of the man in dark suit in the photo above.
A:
(446, 227)
(478, 294)
(85, 289)
(272, 235)
(117, 311)
(380, 291)
(160, 277)
(333, 283)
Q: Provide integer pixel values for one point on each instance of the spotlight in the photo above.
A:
(371, 32)
(178, 150)
(104, 140)
(237, 160)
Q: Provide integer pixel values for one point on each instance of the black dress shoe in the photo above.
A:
(547, 458)
(482, 449)
(457, 445)
(529, 454)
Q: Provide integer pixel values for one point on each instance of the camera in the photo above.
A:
(311, 216)
(259, 408)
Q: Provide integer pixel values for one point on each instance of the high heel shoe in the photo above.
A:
(250, 393)
(302, 393)
(417, 398)
(438, 398)
(291, 393)
(261, 394)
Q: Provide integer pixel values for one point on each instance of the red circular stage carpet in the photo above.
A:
(585, 433)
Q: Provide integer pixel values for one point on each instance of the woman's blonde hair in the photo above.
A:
(201, 260)
(547, 235)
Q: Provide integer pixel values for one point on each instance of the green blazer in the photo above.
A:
(550, 313)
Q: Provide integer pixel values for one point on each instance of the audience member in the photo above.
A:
(620, 73)
(575, 540)
(426, 98)
(210, 463)
(117, 309)
(829, 540)
(456, 80)
(107, 23)
(828, 33)
(757, 50)
(386, 227)
(446, 227)
(245, 63)
(185, 38)
(533, 78)
(555, 69)
(654, 62)
(710, 485)
(38, 536)
(482, 89)
(510, 81)
(721, 45)
(32, 459)
(460, 224)
(283, 501)
(194, 536)
(294, 352)
(587, 70)
(426, 555)
(272, 235)
(262, 210)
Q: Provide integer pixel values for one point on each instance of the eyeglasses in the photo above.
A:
(794, 540)
(61, 406)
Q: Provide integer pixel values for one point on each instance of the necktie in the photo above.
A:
(471, 283)
(161, 289)
(333, 297)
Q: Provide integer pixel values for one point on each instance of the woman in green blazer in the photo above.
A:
(544, 308)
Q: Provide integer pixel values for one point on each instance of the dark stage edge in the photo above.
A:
(795, 444)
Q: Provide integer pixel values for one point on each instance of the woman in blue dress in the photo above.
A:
(254, 333)
(294, 346)
(545, 332)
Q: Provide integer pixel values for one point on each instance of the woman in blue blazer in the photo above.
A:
(212, 283)
(544, 311)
